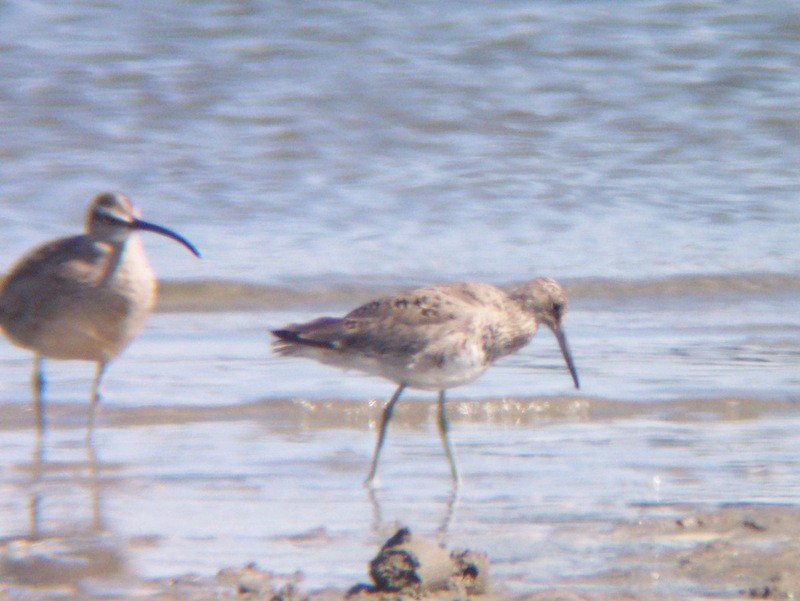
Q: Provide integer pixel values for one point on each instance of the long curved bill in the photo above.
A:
(146, 226)
(562, 343)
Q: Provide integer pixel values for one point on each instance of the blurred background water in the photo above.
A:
(320, 153)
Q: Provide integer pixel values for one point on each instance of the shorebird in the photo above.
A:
(432, 338)
(83, 297)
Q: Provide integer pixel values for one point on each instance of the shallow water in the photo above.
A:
(209, 452)
(322, 153)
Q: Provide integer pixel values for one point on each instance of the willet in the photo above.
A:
(83, 297)
(432, 338)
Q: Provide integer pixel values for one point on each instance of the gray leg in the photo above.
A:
(37, 384)
(387, 415)
(94, 399)
(443, 427)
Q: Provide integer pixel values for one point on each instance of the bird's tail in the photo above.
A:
(321, 333)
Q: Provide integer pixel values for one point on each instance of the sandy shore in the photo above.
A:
(94, 529)
(732, 552)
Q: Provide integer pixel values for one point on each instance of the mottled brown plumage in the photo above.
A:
(432, 338)
(82, 297)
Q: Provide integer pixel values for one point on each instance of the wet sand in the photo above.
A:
(733, 552)
(660, 549)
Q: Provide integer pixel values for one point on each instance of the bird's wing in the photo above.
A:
(398, 324)
(48, 273)
(323, 333)
(420, 307)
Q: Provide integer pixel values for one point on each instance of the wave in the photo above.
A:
(706, 286)
(360, 413)
(217, 295)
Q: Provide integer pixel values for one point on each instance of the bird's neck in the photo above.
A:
(512, 333)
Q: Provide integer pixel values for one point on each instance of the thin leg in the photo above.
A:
(35, 501)
(38, 383)
(387, 415)
(443, 427)
(94, 399)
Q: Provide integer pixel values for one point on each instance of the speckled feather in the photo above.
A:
(431, 338)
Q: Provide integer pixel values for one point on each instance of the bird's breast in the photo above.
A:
(131, 278)
(96, 315)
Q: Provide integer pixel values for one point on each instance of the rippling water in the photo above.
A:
(369, 140)
(322, 153)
